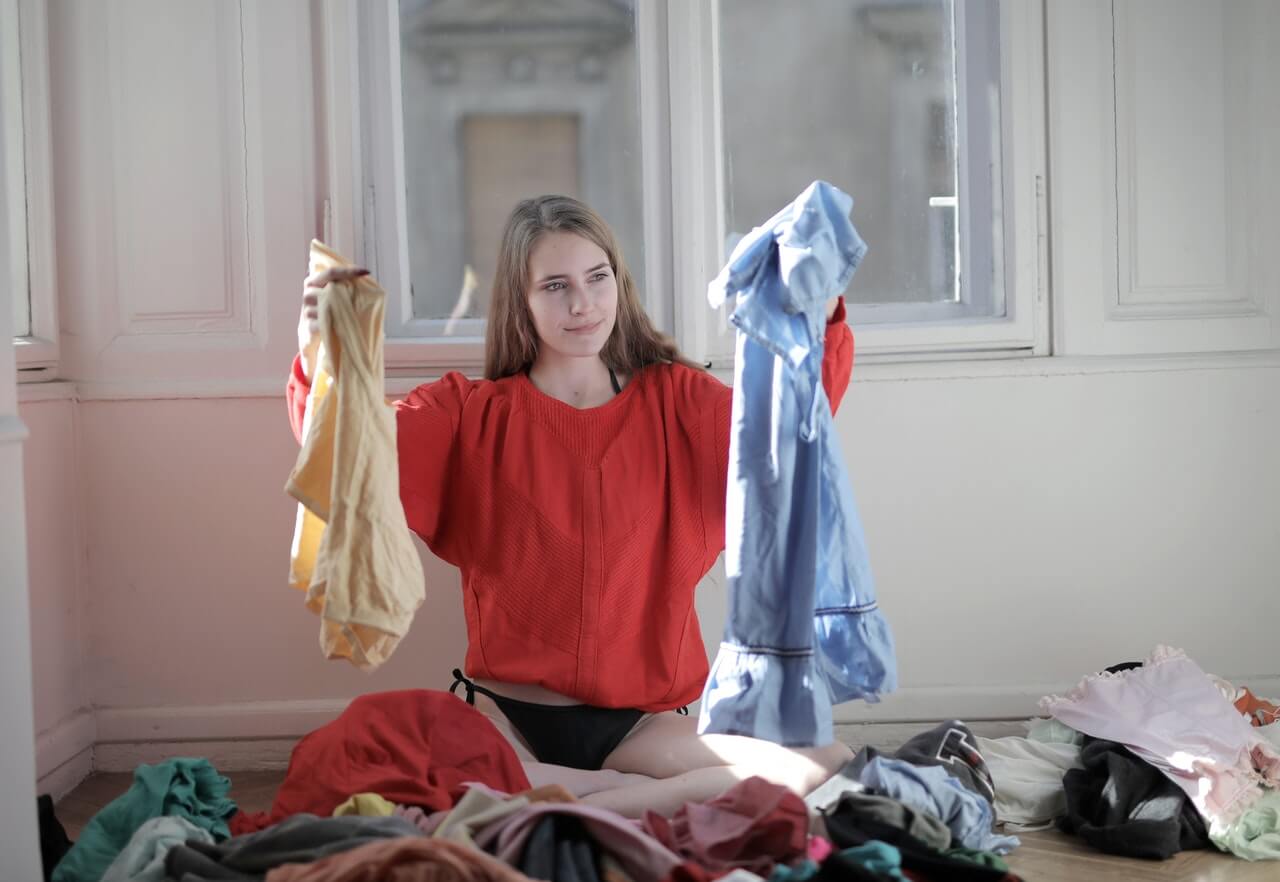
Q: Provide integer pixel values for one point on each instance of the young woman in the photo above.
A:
(580, 489)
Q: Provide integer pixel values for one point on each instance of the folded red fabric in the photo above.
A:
(412, 747)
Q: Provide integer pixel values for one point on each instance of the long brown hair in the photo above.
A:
(511, 342)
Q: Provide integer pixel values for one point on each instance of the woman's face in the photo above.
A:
(573, 294)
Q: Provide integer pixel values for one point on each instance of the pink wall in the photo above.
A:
(189, 545)
(56, 557)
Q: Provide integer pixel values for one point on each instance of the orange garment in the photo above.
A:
(352, 549)
(404, 859)
(1259, 711)
(580, 534)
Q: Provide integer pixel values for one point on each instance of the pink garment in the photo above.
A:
(427, 823)
(754, 825)
(641, 857)
(1170, 713)
(403, 859)
(819, 849)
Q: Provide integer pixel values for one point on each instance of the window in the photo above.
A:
(503, 101)
(879, 119)
(26, 193)
(685, 124)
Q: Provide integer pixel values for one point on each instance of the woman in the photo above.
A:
(580, 489)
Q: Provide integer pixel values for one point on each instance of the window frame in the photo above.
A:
(1022, 331)
(678, 77)
(24, 83)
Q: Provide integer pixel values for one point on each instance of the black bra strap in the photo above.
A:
(613, 378)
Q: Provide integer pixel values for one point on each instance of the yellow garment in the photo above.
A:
(368, 805)
(352, 549)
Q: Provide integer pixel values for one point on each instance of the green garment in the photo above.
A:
(1256, 835)
(1051, 731)
(799, 873)
(981, 858)
(878, 857)
(183, 787)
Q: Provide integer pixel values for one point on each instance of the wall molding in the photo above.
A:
(236, 720)
(226, 755)
(230, 312)
(261, 735)
(282, 720)
(868, 370)
(65, 741)
(67, 777)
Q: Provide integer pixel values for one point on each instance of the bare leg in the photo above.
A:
(695, 768)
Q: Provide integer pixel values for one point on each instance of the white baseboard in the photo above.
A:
(226, 755)
(888, 737)
(254, 736)
(968, 703)
(66, 777)
(244, 736)
(246, 720)
(68, 739)
(924, 703)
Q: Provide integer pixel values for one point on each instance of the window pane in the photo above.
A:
(503, 101)
(861, 93)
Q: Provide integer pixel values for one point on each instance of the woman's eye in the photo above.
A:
(555, 286)
(599, 277)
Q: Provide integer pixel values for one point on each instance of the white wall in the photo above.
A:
(1028, 521)
(19, 839)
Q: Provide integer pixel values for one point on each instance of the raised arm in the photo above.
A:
(426, 426)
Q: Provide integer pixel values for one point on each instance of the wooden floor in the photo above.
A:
(1044, 857)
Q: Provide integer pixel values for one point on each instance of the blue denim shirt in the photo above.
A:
(804, 630)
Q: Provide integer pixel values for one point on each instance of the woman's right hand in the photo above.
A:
(309, 320)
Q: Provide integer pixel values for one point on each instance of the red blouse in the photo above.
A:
(580, 534)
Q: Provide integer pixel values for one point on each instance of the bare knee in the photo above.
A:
(824, 762)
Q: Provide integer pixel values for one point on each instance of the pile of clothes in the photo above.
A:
(1144, 759)
(418, 785)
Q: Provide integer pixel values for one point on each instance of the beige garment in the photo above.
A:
(352, 549)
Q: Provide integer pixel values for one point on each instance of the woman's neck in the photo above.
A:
(578, 382)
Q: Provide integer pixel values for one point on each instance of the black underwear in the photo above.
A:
(580, 736)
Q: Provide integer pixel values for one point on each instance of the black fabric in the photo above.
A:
(560, 849)
(613, 378)
(847, 828)
(576, 735)
(861, 808)
(54, 842)
(950, 745)
(1121, 804)
(1123, 666)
